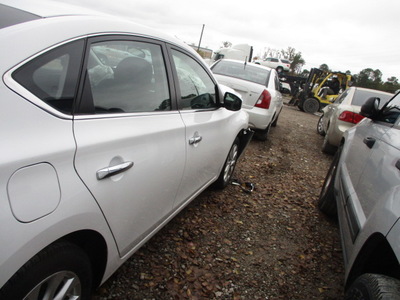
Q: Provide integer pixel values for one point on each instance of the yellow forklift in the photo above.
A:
(311, 98)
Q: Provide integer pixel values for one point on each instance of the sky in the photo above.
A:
(344, 34)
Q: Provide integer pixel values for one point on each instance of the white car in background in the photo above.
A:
(343, 114)
(260, 89)
(97, 158)
(279, 64)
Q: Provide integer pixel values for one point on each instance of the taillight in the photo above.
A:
(264, 101)
(351, 117)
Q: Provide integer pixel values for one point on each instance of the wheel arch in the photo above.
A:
(95, 247)
(376, 256)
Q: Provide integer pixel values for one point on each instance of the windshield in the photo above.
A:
(242, 71)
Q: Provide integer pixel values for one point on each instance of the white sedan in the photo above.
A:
(96, 158)
(259, 87)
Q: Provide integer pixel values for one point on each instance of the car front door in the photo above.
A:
(129, 136)
(209, 133)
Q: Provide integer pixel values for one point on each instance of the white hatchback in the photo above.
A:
(260, 89)
(100, 151)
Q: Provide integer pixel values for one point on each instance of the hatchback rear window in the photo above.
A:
(285, 61)
(242, 71)
(11, 16)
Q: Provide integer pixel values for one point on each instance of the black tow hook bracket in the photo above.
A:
(246, 187)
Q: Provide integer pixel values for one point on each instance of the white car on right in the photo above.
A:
(343, 114)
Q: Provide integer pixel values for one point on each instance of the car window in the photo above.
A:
(197, 89)
(126, 77)
(360, 96)
(274, 60)
(341, 97)
(53, 76)
(277, 83)
(242, 71)
(285, 61)
(391, 112)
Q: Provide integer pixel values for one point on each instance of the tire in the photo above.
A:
(279, 69)
(320, 126)
(327, 201)
(311, 105)
(326, 147)
(229, 166)
(275, 122)
(61, 270)
(373, 287)
(262, 135)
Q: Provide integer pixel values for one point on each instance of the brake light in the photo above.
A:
(264, 101)
(351, 117)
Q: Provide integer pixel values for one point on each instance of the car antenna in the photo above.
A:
(245, 63)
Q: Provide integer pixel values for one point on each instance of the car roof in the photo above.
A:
(55, 28)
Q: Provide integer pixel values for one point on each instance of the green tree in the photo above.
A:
(369, 78)
(324, 67)
(297, 61)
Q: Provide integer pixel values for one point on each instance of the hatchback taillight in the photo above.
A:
(264, 101)
(351, 117)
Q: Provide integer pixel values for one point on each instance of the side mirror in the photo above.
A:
(232, 102)
(370, 108)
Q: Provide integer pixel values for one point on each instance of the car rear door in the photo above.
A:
(130, 138)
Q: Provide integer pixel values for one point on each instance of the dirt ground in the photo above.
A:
(272, 243)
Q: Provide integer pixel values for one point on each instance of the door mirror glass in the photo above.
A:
(370, 108)
(232, 102)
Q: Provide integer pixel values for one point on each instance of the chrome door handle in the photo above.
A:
(195, 139)
(114, 170)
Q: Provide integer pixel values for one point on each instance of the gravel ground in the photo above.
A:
(272, 243)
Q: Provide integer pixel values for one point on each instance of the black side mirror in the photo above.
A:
(232, 102)
(370, 108)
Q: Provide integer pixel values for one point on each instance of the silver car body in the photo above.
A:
(55, 167)
(259, 118)
(351, 101)
(367, 192)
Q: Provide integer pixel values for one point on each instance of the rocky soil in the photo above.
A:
(272, 243)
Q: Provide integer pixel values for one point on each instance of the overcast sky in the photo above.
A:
(344, 34)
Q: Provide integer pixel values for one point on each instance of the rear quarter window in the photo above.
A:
(53, 76)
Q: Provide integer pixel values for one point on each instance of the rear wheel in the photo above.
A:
(374, 287)
(262, 135)
(327, 201)
(60, 271)
(279, 69)
(326, 147)
(320, 126)
(229, 166)
(311, 105)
